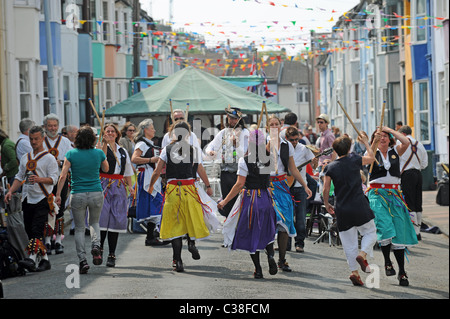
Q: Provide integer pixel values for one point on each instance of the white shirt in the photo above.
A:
(414, 163)
(143, 147)
(281, 169)
(242, 168)
(193, 140)
(128, 168)
(46, 167)
(302, 154)
(23, 146)
(388, 179)
(64, 146)
(217, 144)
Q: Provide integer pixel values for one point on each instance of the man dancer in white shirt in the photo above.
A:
(412, 162)
(231, 143)
(38, 172)
(58, 146)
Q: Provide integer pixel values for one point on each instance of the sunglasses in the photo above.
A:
(320, 122)
(293, 139)
(131, 130)
(179, 118)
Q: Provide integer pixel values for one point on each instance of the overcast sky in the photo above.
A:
(243, 21)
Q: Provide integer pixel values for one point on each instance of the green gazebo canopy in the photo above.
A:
(204, 92)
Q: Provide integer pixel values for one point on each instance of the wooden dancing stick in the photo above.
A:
(187, 111)
(379, 130)
(171, 110)
(262, 113)
(95, 111)
(102, 124)
(350, 120)
(353, 124)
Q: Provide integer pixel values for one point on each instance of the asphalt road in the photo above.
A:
(145, 273)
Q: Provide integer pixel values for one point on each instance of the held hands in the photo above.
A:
(221, 204)
(58, 200)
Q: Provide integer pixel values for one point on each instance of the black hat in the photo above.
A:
(234, 112)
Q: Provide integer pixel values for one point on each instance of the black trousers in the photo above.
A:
(227, 181)
(35, 217)
(411, 182)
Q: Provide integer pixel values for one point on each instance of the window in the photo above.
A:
(371, 94)
(302, 94)
(25, 89)
(82, 96)
(94, 24)
(357, 113)
(390, 32)
(420, 22)
(422, 112)
(66, 97)
(108, 95)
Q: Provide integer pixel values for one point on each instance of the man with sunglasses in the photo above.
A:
(326, 138)
(178, 115)
(302, 154)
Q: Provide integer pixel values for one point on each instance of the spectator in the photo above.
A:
(9, 162)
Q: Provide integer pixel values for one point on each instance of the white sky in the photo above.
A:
(243, 21)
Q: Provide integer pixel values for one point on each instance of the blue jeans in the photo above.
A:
(300, 205)
(86, 203)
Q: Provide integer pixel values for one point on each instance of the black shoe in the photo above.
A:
(273, 269)
(403, 279)
(111, 261)
(390, 271)
(84, 267)
(155, 242)
(284, 266)
(48, 247)
(96, 255)
(28, 264)
(178, 266)
(72, 231)
(258, 274)
(44, 265)
(193, 250)
(59, 248)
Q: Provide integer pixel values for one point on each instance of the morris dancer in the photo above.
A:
(284, 206)
(38, 172)
(145, 156)
(183, 211)
(58, 146)
(394, 226)
(251, 224)
(353, 213)
(231, 143)
(113, 218)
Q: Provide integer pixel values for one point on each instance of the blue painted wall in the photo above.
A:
(56, 43)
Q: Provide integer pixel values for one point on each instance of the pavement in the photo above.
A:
(434, 214)
(222, 278)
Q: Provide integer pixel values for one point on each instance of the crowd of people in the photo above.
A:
(269, 178)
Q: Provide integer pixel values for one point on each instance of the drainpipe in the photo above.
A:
(48, 38)
(3, 90)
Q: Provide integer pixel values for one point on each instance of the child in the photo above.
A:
(352, 208)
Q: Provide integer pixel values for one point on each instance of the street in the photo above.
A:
(146, 273)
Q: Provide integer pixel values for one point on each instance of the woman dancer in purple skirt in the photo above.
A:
(113, 218)
(251, 224)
